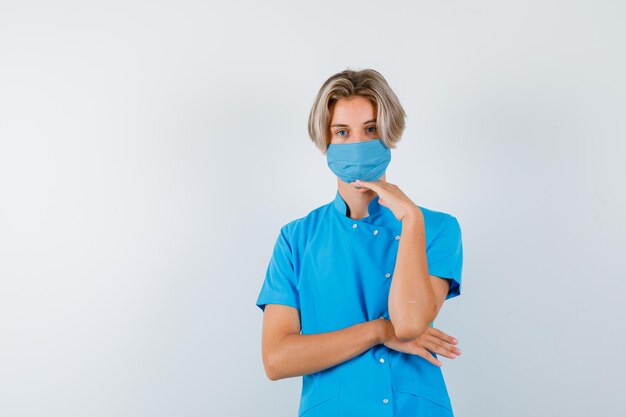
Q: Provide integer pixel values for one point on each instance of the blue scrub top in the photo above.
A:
(337, 272)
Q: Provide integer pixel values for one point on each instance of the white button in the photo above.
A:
(397, 237)
(375, 232)
(382, 360)
(385, 401)
(354, 226)
(387, 275)
(381, 317)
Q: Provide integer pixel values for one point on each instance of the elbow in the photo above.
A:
(410, 331)
(406, 334)
(276, 359)
(270, 365)
(271, 375)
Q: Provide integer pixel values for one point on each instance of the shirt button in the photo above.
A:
(397, 237)
(382, 360)
(385, 401)
(375, 232)
(387, 275)
(354, 226)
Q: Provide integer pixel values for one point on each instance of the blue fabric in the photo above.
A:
(365, 160)
(337, 272)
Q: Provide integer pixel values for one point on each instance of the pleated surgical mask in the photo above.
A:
(365, 161)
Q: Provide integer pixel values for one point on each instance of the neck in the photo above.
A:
(357, 199)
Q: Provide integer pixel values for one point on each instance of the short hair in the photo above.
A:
(368, 83)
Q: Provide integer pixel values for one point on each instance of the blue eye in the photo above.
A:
(339, 132)
(371, 127)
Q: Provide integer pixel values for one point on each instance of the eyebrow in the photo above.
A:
(341, 125)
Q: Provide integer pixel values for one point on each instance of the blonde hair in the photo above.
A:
(368, 83)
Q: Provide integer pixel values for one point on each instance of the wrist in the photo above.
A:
(384, 330)
(378, 327)
(413, 216)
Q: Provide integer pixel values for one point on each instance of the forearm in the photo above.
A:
(300, 354)
(411, 297)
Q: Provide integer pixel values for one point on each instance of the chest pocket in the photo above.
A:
(323, 401)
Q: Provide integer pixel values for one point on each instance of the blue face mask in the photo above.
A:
(365, 161)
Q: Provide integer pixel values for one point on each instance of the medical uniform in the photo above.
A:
(337, 272)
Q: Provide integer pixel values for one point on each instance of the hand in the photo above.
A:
(392, 197)
(432, 340)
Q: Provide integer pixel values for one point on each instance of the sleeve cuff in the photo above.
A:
(275, 297)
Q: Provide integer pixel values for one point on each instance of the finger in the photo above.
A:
(428, 356)
(440, 350)
(372, 185)
(447, 341)
(440, 347)
(443, 336)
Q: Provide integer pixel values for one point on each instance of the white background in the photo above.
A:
(150, 152)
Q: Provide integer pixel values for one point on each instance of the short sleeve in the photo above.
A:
(280, 284)
(445, 254)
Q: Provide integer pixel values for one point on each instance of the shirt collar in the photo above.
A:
(341, 206)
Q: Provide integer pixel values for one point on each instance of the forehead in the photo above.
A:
(354, 109)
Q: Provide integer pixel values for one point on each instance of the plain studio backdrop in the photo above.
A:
(151, 151)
